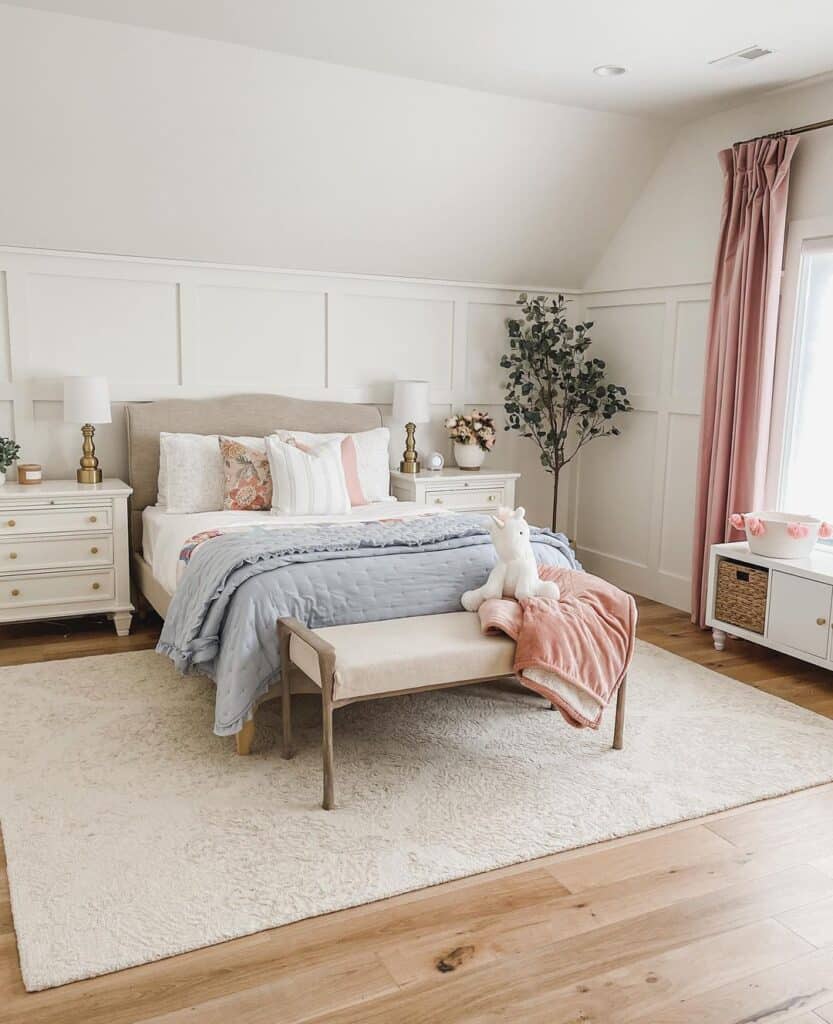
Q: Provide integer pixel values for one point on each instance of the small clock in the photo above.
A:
(435, 461)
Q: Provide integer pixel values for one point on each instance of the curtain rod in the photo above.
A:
(792, 131)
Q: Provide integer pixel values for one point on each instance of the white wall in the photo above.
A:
(129, 140)
(649, 296)
(164, 328)
(631, 499)
(670, 234)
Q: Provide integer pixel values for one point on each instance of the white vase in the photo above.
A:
(468, 456)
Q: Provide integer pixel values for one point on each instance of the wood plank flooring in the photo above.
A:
(725, 920)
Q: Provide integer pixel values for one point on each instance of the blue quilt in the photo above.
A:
(222, 619)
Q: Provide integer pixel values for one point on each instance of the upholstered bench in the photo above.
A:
(367, 660)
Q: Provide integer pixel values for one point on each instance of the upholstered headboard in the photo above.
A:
(233, 415)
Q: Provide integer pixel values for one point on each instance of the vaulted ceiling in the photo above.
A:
(537, 49)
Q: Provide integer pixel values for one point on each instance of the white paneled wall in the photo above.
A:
(632, 497)
(160, 328)
(163, 328)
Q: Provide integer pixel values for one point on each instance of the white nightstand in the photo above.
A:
(465, 491)
(64, 551)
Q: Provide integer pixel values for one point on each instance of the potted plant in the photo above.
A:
(9, 451)
(555, 392)
(473, 434)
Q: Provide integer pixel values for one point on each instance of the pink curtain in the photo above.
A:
(740, 350)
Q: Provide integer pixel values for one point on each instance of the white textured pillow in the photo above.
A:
(372, 457)
(191, 471)
(307, 483)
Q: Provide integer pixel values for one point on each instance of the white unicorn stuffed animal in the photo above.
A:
(516, 572)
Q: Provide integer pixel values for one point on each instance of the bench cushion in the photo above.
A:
(397, 655)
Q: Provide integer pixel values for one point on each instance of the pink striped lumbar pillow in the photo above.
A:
(349, 463)
(306, 483)
(372, 448)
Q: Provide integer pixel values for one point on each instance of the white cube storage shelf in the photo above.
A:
(799, 603)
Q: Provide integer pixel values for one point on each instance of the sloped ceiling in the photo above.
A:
(536, 49)
(137, 141)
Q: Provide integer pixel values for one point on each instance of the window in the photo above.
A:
(806, 480)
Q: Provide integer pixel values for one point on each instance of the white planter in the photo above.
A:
(776, 540)
(468, 456)
(2, 478)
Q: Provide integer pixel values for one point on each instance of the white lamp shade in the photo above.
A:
(411, 401)
(86, 400)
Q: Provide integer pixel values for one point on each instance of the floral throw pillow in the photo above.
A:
(247, 481)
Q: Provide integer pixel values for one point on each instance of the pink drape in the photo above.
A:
(740, 349)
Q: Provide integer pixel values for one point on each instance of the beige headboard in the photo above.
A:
(233, 415)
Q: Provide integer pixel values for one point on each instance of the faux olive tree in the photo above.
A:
(555, 392)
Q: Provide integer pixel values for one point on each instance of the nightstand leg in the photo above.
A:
(122, 620)
(719, 638)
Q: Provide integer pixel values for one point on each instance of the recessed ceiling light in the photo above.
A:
(609, 70)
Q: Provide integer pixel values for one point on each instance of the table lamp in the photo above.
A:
(87, 401)
(410, 406)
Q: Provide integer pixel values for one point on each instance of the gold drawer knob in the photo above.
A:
(93, 551)
(12, 554)
(11, 522)
(96, 586)
(438, 501)
(821, 622)
(15, 592)
(93, 519)
(491, 497)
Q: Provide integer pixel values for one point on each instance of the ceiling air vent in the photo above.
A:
(741, 58)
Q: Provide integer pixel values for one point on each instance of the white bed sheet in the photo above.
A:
(164, 534)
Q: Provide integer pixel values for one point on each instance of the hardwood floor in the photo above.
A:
(726, 920)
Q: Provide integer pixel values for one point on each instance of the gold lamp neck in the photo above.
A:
(410, 462)
(89, 472)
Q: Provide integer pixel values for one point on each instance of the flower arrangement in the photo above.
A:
(473, 427)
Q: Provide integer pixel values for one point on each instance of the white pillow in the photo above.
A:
(372, 458)
(307, 483)
(191, 471)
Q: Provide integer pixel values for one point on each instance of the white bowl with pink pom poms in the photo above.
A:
(781, 534)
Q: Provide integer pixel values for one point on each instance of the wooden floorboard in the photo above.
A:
(727, 920)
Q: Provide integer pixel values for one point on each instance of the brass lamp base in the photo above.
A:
(88, 473)
(410, 463)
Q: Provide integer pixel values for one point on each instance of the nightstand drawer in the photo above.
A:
(58, 520)
(18, 556)
(67, 588)
(471, 498)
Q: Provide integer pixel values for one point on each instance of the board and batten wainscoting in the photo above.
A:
(160, 328)
(632, 516)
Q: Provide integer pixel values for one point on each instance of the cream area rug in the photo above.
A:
(133, 833)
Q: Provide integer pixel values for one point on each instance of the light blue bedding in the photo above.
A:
(222, 619)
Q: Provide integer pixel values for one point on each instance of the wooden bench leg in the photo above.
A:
(245, 738)
(327, 664)
(327, 755)
(619, 727)
(286, 697)
(286, 717)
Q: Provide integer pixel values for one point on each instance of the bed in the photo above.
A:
(221, 602)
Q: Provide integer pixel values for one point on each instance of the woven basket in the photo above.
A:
(741, 595)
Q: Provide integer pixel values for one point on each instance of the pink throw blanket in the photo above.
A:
(574, 651)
